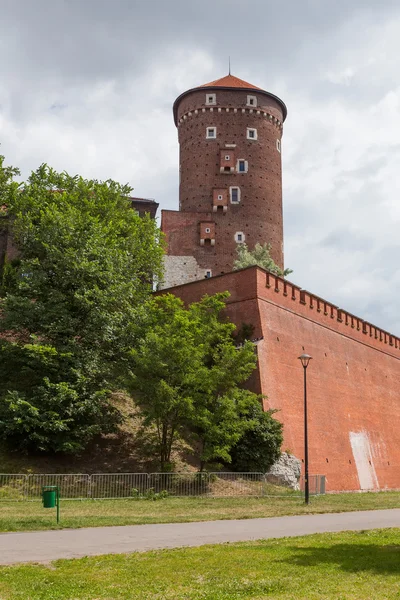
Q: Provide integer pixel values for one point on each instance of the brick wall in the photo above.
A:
(353, 377)
(258, 215)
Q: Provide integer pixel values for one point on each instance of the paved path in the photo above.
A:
(45, 546)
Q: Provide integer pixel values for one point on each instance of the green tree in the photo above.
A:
(260, 445)
(163, 364)
(8, 186)
(260, 256)
(47, 404)
(185, 376)
(84, 273)
(220, 403)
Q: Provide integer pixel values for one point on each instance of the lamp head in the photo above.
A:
(305, 359)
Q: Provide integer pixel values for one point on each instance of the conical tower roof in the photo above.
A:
(229, 82)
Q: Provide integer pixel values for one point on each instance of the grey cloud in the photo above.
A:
(99, 38)
(347, 241)
(88, 86)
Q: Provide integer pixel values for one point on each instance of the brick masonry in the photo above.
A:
(209, 167)
(353, 378)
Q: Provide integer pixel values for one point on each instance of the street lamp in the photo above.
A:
(305, 359)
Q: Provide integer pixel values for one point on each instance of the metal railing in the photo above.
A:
(101, 486)
(317, 484)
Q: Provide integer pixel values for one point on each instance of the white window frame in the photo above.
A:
(241, 241)
(246, 165)
(211, 137)
(234, 187)
(211, 99)
(251, 129)
(278, 145)
(220, 197)
(208, 274)
(207, 230)
(227, 157)
(252, 101)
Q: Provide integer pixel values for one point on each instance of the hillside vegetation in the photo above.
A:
(96, 373)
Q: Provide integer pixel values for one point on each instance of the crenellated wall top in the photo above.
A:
(327, 314)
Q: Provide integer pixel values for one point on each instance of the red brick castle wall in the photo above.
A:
(353, 378)
(354, 375)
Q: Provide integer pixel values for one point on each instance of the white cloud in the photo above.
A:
(341, 77)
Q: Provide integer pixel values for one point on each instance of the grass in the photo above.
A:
(344, 566)
(25, 516)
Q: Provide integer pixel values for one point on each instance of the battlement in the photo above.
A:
(308, 305)
(255, 283)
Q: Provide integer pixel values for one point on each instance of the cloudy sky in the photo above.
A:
(88, 85)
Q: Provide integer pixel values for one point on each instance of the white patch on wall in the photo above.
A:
(179, 270)
(361, 448)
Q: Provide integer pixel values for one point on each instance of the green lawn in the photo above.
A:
(341, 566)
(22, 516)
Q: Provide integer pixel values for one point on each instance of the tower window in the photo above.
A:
(211, 133)
(239, 237)
(251, 101)
(220, 196)
(251, 133)
(234, 194)
(207, 230)
(278, 145)
(208, 274)
(227, 157)
(211, 99)
(242, 166)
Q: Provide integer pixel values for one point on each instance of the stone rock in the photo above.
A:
(286, 471)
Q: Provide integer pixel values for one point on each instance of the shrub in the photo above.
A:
(260, 445)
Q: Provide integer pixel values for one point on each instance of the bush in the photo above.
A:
(47, 402)
(260, 445)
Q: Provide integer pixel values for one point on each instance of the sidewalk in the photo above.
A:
(46, 546)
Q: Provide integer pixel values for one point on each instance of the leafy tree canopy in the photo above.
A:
(260, 445)
(260, 256)
(75, 293)
(186, 374)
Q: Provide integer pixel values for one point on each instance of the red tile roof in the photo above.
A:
(230, 81)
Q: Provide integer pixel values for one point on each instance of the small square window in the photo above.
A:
(211, 99)
(211, 133)
(208, 274)
(207, 230)
(239, 237)
(227, 157)
(278, 145)
(251, 101)
(219, 196)
(241, 166)
(251, 134)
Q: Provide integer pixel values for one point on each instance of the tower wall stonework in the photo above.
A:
(250, 191)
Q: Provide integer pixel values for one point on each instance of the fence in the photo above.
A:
(101, 486)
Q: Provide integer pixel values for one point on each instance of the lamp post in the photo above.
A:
(305, 359)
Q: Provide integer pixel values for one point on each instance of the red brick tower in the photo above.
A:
(230, 178)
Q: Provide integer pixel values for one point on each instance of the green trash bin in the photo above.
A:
(49, 496)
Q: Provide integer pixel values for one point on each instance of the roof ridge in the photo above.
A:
(230, 81)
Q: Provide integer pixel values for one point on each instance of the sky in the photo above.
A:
(87, 86)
